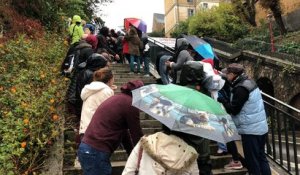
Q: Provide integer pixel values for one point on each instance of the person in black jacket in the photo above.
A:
(95, 62)
(83, 51)
(102, 36)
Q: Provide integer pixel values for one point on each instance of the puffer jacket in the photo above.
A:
(92, 96)
(163, 154)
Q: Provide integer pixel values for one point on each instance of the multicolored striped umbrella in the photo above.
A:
(137, 23)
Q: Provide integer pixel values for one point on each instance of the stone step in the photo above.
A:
(149, 126)
(117, 169)
(126, 75)
(222, 171)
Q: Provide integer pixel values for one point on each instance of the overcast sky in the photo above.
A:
(114, 13)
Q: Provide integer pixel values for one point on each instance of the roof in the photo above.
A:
(160, 18)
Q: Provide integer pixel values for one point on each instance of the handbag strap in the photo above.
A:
(73, 30)
(139, 160)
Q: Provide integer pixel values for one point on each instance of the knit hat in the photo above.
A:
(131, 85)
(91, 27)
(234, 68)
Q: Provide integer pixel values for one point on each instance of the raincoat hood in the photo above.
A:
(92, 88)
(95, 61)
(182, 42)
(161, 148)
(76, 18)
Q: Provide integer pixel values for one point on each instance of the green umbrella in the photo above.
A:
(191, 98)
(186, 110)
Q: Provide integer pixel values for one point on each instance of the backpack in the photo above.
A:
(192, 73)
(70, 63)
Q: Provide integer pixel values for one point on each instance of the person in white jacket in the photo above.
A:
(94, 94)
(162, 153)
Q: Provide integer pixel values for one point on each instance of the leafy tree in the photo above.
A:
(157, 33)
(220, 22)
(181, 28)
(52, 13)
(246, 9)
(274, 6)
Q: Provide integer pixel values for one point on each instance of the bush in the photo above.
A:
(181, 28)
(14, 23)
(31, 96)
(220, 23)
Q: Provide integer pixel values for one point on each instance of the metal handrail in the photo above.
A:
(282, 146)
(282, 103)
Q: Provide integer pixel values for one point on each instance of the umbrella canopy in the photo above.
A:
(200, 46)
(186, 110)
(138, 23)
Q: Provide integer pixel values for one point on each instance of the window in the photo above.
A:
(190, 1)
(190, 12)
(205, 5)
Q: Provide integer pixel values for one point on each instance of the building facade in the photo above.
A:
(180, 10)
(158, 22)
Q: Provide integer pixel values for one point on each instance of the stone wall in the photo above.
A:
(284, 75)
(292, 21)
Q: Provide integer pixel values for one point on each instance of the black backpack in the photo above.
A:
(192, 73)
(70, 63)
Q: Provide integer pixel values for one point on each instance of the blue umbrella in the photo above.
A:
(200, 46)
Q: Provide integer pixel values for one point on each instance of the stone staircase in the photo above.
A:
(149, 126)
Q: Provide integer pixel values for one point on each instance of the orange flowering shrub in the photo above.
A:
(30, 101)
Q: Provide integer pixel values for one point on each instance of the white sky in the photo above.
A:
(114, 13)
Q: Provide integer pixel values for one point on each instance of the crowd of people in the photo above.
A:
(105, 120)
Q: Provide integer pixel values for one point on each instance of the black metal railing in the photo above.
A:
(283, 141)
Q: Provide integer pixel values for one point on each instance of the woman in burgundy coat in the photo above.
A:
(114, 121)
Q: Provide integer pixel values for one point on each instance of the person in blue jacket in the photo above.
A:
(248, 113)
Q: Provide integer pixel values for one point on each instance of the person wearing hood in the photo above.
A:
(94, 94)
(182, 55)
(75, 30)
(82, 52)
(162, 153)
(94, 62)
(114, 121)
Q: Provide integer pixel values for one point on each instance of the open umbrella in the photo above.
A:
(138, 23)
(186, 110)
(200, 46)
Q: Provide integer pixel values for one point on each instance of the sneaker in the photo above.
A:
(233, 165)
(130, 73)
(221, 153)
(146, 75)
(77, 163)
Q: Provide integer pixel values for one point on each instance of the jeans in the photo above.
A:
(163, 69)
(146, 65)
(94, 162)
(255, 157)
(134, 58)
(222, 147)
